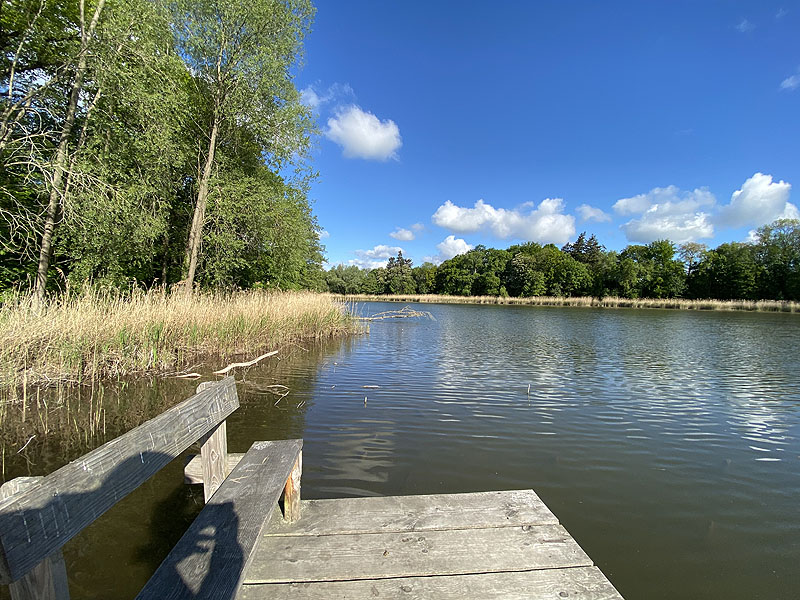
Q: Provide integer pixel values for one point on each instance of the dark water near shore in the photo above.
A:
(666, 442)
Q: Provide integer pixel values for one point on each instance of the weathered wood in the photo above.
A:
(576, 583)
(214, 459)
(48, 579)
(40, 520)
(417, 513)
(291, 492)
(379, 555)
(210, 558)
(193, 470)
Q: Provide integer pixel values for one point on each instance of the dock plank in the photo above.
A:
(417, 513)
(210, 558)
(577, 583)
(284, 559)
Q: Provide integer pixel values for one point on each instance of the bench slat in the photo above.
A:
(210, 559)
(40, 520)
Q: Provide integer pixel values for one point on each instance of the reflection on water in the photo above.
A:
(667, 442)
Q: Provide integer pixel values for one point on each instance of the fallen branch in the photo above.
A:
(245, 364)
(404, 313)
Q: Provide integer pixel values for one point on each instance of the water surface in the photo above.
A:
(667, 442)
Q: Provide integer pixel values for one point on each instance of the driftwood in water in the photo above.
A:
(245, 364)
(404, 313)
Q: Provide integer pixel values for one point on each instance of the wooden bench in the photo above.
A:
(38, 516)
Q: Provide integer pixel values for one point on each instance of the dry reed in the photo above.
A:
(104, 334)
(586, 301)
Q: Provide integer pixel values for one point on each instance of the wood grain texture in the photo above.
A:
(48, 579)
(210, 558)
(288, 559)
(291, 493)
(193, 470)
(417, 513)
(575, 583)
(214, 459)
(40, 520)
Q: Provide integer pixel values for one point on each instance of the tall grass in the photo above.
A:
(104, 334)
(587, 301)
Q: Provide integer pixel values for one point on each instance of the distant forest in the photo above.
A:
(767, 268)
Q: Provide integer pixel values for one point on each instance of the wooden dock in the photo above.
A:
(479, 545)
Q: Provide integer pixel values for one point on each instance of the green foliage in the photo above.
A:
(398, 275)
(769, 268)
(140, 130)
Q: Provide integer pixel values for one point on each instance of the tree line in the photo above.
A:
(766, 268)
(155, 142)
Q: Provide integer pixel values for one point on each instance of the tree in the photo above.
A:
(778, 254)
(424, 278)
(398, 275)
(241, 54)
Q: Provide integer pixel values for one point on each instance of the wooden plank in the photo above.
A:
(417, 513)
(40, 520)
(291, 493)
(214, 459)
(576, 583)
(48, 579)
(288, 559)
(210, 558)
(193, 470)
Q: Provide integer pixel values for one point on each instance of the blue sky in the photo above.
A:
(451, 124)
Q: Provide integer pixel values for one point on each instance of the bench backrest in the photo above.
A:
(40, 519)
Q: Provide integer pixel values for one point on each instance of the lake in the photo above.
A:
(666, 442)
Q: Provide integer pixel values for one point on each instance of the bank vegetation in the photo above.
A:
(105, 334)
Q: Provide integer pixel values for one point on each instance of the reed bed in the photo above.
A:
(586, 301)
(107, 335)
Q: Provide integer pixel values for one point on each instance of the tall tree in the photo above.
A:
(241, 55)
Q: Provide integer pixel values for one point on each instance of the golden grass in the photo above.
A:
(103, 334)
(587, 301)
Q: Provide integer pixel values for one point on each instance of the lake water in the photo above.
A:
(666, 442)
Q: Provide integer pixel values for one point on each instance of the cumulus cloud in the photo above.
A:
(544, 223)
(404, 235)
(363, 135)
(323, 234)
(315, 97)
(375, 258)
(759, 201)
(448, 248)
(418, 227)
(590, 213)
(667, 213)
(791, 83)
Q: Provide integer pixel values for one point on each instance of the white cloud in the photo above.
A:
(448, 248)
(791, 83)
(745, 26)
(590, 213)
(545, 223)
(375, 258)
(782, 12)
(312, 96)
(759, 201)
(418, 227)
(323, 234)
(404, 235)
(362, 135)
(667, 213)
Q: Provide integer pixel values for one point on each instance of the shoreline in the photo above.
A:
(784, 306)
(99, 335)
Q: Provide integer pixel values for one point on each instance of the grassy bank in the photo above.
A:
(96, 334)
(607, 302)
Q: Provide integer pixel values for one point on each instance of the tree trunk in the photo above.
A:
(60, 160)
(196, 232)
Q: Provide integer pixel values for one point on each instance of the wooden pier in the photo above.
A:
(504, 544)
